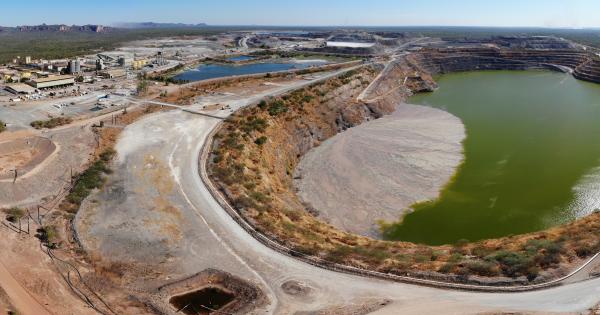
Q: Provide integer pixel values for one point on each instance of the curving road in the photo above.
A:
(163, 150)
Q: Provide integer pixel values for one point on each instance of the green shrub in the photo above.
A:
(217, 158)
(261, 140)
(254, 124)
(277, 107)
(108, 154)
(51, 123)
(260, 197)
(307, 98)
(482, 268)
(546, 253)
(456, 257)
(48, 235)
(2, 126)
(584, 249)
(513, 264)
(481, 251)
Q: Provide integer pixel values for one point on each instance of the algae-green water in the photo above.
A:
(532, 157)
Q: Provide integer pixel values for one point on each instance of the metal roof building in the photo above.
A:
(19, 88)
(53, 81)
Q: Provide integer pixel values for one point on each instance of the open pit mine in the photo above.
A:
(329, 172)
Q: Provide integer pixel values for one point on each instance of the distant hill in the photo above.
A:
(159, 25)
(60, 28)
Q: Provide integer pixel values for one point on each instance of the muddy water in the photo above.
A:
(532, 156)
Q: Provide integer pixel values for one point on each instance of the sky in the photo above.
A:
(502, 13)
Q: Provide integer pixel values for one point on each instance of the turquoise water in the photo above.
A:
(532, 154)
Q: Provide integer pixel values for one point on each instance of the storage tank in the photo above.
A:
(100, 64)
(74, 66)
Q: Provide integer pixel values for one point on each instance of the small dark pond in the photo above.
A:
(204, 301)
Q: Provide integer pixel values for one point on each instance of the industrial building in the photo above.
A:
(20, 88)
(52, 81)
(115, 73)
(139, 64)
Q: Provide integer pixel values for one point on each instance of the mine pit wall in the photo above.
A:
(439, 61)
(589, 70)
(343, 111)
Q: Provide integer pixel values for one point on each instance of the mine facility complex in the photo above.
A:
(178, 175)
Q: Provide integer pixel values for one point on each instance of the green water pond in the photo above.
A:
(532, 157)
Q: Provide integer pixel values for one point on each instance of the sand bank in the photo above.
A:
(375, 171)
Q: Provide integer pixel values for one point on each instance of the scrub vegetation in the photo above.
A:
(91, 178)
(51, 123)
(253, 160)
